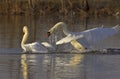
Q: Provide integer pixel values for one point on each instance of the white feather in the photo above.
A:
(85, 38)
(35, 46)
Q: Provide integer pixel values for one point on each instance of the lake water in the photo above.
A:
(16, 65)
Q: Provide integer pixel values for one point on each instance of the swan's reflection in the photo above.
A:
(76, 59)
(28, 62)
(65, 66)
(32, 66)
(24, 66)
(52, 66)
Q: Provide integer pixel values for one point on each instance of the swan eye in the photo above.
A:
(48, 34)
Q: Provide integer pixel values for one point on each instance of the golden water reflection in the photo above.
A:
(24, 66)
(76, 59)
(59, 66)
(64, 66)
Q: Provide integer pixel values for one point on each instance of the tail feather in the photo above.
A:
(117, 27)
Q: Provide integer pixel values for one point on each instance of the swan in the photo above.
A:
(35, 46)
(85, 39)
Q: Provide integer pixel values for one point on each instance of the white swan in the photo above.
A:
(35, 46)
(84, 39)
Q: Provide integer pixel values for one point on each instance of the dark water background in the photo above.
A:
(15, 65)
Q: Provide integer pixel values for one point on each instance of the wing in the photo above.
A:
(95, 35)
(36, 47)
(48, 46)
(68, 39)
(73, 41)
(65, 40)
(77, 45)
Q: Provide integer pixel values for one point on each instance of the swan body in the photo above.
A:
(84, 39)
(35, 46)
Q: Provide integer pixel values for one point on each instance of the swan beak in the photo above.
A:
(48, 34)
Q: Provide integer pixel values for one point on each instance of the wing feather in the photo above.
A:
(77, 45)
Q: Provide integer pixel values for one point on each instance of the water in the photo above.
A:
(59, 66)
(16, 65)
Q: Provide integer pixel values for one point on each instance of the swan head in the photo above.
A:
(25, 29)
(48, 34)
(56, 26)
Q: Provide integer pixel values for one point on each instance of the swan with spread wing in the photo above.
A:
(84, 39)
(35, 46)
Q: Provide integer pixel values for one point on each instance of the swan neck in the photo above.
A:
(24, 39)
(60, 24)
(65, 30)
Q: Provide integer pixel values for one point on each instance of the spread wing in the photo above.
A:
(73, 40)
(77, 45)
(68, 39)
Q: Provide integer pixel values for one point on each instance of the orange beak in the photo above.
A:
(48, 34)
